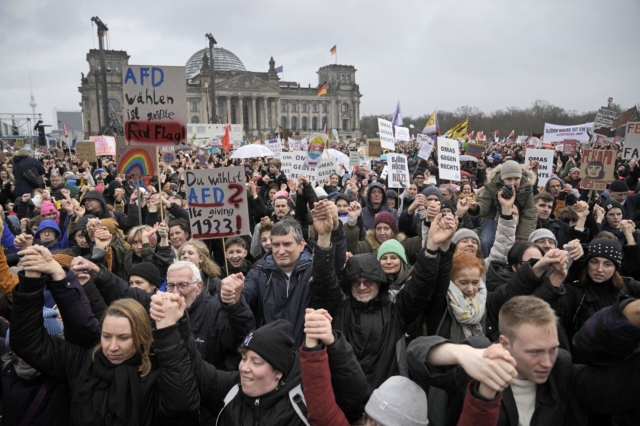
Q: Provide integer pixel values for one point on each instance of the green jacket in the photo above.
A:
(488, 202)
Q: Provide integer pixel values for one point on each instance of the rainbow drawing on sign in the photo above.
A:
(137, 161)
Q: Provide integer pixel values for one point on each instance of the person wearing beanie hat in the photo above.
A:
(610, 217)
(520, 181)
(544, 238)
(376, 197)
(392, 198)
(388, 219)
(398, 401)
(393, 247)
(393, 261)
(618, 191)
(145, 276)
(273, 343)
(432, 190)
(466, 240)
(448, 207)
(49, 211)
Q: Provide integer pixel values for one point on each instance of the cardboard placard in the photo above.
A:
(604, 121)
(569, 146)
(354, 158)
(105, 145)
(448, 159)
(317, 145)
(217, 202)
(475, 149)
(86, 151)
(399, 174)
(597, 168)
(631, 141)
(374, 149)
(426, 146)
(138, 160)
(275, 145)
(153, 107)
(544, 157)
(402, 134)
(385, 132)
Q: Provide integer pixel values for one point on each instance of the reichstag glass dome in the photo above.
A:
(223, 60)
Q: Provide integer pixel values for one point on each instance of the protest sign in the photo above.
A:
(354, 158)
(168, 153)
(275, 145)
(426, 146)
(317, 144)
(448, 159)
(385, 132)
(544, 157)
(86, 151)
(631, 141)
(383, 174)
(475, 149)
(558, 133)
(522, 139)
(105, 145)
(604, 121)
(217, 202)
(399, 175)
(154, 111)
(325, 168)
(597, 167)
(18, 143)
(569, 146)
(625, 117)
(294, 165)
(334, 132)
(138, 160)
(295, 145)
(402, 134)
(374, 149)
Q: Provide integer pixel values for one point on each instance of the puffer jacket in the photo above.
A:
(20, 165)
(488, 202)
(368, 213)
(373, 329)
(272, 295)
(74, 366)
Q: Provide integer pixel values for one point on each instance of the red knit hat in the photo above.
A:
(386, 218)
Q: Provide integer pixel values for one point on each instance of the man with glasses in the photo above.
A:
(418, 179)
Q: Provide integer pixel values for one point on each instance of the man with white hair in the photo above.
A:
(218, 323)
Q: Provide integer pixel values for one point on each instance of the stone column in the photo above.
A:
(240, 113)
(278, 113)
(263, 115)
(228, 117)
(274, 113)
(357, 117)
(254, 124)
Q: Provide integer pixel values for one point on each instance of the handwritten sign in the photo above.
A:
(448, 159)
(631, 141)
(168, 154)
(544, 157)
(317, 144)
(294, 165)
(558, 133)
(604, 121)
(86, 151)
(569, 146)
(385, 132)
(217, 202)
(402, 134)
(426, 146)
(105, 145)
(275, 145)
(354, 158)
(154, 111)
(325, 169)
(374, 149)
(138, 160)
(399, 174)
(597, 166)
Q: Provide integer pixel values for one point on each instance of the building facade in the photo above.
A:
(259, 101)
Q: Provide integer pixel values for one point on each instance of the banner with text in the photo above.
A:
(631, 141)
(544, 157)
(154, 100)
(558, 133)
(385, 132)
(217, 202)
(597, 167)
(399, 173)
(448, 159)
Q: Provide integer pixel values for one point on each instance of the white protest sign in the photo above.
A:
(558, 133)
(354, 158)
(384, 173)
(325, 168)
(334, 132)
(426, 146)
(293, 166)
(544, 157)
(217, 202)
(154, 100)
(631, 141)
(604, 121)
(275, 145)
(399, 175)
(448, 159)
(402, 134)
(105, 145)
(385, 131)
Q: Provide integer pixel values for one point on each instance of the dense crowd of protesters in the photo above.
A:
(488, 301)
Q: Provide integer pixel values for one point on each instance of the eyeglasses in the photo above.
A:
(181, 286)
(367, 283)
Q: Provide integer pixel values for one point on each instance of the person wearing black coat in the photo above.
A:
(23, 163)
(116, 383)
(98, 207)
(360, 304)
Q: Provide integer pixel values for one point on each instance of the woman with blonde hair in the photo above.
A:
(197, 253)
(117, 382)
(146, 248)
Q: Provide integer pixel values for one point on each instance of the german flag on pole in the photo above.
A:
(334, 50)
(322, 90)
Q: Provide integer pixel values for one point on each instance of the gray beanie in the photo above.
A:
(432, 190)
(465, 233)
(510, 169)
(398, 401)
(538, 234)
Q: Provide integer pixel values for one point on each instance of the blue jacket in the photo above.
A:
(272, 295)
(50, 223)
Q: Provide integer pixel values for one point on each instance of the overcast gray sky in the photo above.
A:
(428, 54)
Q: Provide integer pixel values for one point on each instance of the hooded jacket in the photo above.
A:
(124, 222)
(488, 202)
(376, 328)
(368, 213)
(562, 200)
(20, 165)
(49, 223)
(273, 295)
